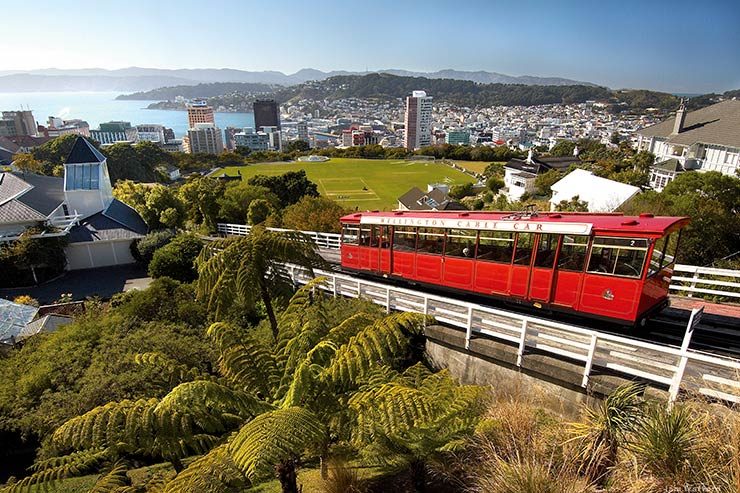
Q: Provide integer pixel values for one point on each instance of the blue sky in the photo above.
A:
(677, 46)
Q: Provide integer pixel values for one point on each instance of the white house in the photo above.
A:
(703, 140)
(79, 205)
(520, 175)
(601, 194)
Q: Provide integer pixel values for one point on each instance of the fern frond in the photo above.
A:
(51, 470)
(382, 342)
(169, 369)
(214, 472)
(274, 437)
(415, 375)
(244, 361)
(114, 480)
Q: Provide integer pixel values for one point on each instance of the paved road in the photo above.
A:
(103, 282)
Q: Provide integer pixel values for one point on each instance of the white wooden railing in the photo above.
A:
(693, 371)
(329, 241)
(704, 277)
(704, 281)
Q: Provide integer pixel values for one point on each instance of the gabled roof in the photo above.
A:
(127, 216)
(15, 211)
(46, 195)
(716, 124)
(9, 145)
(29, 141)
(103, 227)
(48, 323)
(601, 194)
(673, 165)
(542, 165)
(84, 152)
(436, 199)
(11, 186)
(13, 319)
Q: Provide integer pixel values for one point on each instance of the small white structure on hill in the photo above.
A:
(601, 194)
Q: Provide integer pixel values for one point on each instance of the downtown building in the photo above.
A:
(204, 138)
(112, 132)
(17, 123)
(418, 121)
(199, 112)
(266, 114)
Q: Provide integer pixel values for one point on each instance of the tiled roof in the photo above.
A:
(716, 124)
(29, 141)
(101, 227)
(417, 200)
(15, 211)
(672, 164)
(8, 145)
(542, 165)
(13, 318)
(84, 152)
(11, 186)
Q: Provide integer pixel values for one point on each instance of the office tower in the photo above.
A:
(199, 112)
(15, 123)
(418, 120)
(266, 114)
(204, 138)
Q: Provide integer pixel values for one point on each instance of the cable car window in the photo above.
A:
(365, 235)
(494, 246)
(618, 256)
(460, 243)
(669, 256)
(431, 240)
(404, 239)
(384, 236)
(573, 253)
(546, 249)
(375, 236)
(657, 258)
(523, 253)
(350, 233)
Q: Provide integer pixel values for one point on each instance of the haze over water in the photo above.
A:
(100, 107)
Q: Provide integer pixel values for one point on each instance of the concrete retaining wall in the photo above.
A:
(490, 362)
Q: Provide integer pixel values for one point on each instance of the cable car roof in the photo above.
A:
(539, 222)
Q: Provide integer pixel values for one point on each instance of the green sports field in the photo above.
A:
(366, 184)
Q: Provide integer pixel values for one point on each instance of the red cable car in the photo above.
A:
(606, 266)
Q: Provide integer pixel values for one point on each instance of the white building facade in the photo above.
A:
(418, 121)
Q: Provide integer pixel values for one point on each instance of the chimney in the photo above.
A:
(680, 118)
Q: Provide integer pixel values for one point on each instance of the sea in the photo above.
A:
(101, 107)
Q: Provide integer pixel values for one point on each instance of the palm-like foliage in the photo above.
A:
(604, 430)
(251, 268)
(273, 404)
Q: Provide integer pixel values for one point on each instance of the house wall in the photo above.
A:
(517, 184)
(98, 254)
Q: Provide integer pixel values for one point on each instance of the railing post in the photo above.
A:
(694, 278)
(589, 361)
(522, 343)
(469, 331)
(387, 300)
(334, 285)
(426, 305)
(359, 288)
(694, 319)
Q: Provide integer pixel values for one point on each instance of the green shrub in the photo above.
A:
(143, 249)
(177, 258)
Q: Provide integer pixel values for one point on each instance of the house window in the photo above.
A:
(730, 157)
(82, 177)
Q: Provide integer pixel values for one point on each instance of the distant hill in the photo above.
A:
(201, 91)
(464, 93)
(145, 79)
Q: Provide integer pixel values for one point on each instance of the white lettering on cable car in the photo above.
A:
(461, 223)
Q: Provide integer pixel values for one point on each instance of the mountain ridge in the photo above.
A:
(144, 79)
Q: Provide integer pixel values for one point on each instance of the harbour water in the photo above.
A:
(97, 107)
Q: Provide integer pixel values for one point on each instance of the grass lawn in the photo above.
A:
(366, 184)
(475, 166)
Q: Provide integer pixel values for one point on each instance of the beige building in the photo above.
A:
(199, 112)
(204, 138)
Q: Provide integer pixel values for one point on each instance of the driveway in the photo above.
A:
(103, 282)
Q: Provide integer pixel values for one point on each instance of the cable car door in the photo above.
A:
(543, 267)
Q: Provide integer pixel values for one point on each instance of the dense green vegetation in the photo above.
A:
(205, 90)
(29, 261)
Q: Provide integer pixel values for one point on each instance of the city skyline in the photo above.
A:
(668, 46)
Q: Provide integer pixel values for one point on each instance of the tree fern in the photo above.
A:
(167, 368)
(51, 470)
(383, 341)
(275, 437)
